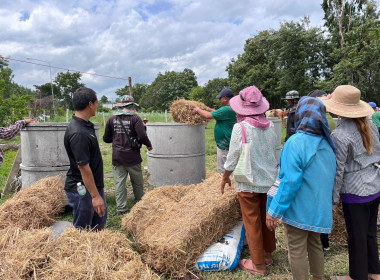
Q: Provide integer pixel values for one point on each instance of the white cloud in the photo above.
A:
(136, 38)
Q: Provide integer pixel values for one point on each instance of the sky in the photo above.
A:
(138, 39)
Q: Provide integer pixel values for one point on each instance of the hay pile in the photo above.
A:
(181, 111)
(24, 253)
(35, 254)
(174, 225)
(95, 255)
(34, 207)
(339, 232)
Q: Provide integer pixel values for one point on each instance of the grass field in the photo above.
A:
(336, 260)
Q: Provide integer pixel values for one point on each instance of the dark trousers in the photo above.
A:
(361, 224)
(325, 240)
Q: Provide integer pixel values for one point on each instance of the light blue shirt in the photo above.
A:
(304, 198)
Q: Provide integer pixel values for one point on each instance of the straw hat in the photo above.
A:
(345, 102)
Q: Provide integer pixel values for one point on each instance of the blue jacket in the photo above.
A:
(304, 198)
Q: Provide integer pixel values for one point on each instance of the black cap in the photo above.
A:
(226, 92)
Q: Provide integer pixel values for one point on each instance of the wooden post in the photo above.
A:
(104, 120)
(67, 115)
(13, 174)
(130, 86)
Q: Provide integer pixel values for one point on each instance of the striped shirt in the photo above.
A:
(355, 173)
(9, 133)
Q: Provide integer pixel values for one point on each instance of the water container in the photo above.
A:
(178, 155)
(43, 152)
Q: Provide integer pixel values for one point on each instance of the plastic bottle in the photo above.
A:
(81, 189)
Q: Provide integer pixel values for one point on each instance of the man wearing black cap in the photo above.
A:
(291, 98)
(225, 119)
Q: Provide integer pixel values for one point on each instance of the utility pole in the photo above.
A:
(130, 86)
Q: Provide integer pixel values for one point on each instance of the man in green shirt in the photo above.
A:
(225, 120)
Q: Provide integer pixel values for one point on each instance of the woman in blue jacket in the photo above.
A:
(304, 197)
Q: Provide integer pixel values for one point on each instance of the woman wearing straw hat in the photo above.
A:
(303, 200)
(357, 180)
(250, 106)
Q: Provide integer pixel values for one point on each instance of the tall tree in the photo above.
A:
(276, 61)
(68, 83)
(138, 91)
(168, 87)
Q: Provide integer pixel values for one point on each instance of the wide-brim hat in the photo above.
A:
(121, 105)
(345, 102)
(250, 101)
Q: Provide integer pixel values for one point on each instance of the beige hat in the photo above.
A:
(345, 102)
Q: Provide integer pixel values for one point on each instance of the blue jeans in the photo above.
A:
(83, 211)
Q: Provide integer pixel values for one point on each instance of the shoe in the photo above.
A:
(122, 212)
(326, 249)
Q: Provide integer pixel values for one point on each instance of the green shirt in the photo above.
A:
(225, 120)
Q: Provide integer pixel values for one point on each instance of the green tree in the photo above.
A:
(138, 91)
(68, 83)
(168, 87)
(104, 99)
(45, 90)
(276, 61)
(341, 16)
(212, 89)
(13, 108)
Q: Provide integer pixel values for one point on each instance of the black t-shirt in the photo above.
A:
(82, 148)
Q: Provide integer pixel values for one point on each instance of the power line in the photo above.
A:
(61, 68)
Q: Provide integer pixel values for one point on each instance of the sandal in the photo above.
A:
(244, 264)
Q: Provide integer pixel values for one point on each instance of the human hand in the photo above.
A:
(195, 110)
(271, 222)
(31, 121)
(225, 180)
(98, 204)
(150, 148)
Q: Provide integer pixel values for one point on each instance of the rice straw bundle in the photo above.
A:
(23, 253)
(34, 207)
(339, 232)
(95, 255)
(181, 111)
(174, 225)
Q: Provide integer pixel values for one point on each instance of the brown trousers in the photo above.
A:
(260, 238)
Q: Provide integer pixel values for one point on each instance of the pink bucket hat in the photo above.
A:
(250, 101)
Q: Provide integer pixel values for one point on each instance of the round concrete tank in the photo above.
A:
(278, 129)
(43, 153)
(178, 155)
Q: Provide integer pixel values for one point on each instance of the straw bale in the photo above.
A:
(34, 207)
(181, 111)
(95, 255)
(174, 225)
(339, 232)
(24, 253)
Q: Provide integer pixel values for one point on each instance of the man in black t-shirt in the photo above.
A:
(86, 164)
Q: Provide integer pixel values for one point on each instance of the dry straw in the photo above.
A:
(174, 225)
(35, 254)
(34, 207)
(182, 112)
(24, 253)
(95, 255)
(339, 232)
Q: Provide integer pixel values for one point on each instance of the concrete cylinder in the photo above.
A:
(178, 155)
(43, 153)
(278, 129)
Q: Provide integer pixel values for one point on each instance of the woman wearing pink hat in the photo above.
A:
(357, 179)
(250, 106)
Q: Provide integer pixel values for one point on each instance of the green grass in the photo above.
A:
(336, 260)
